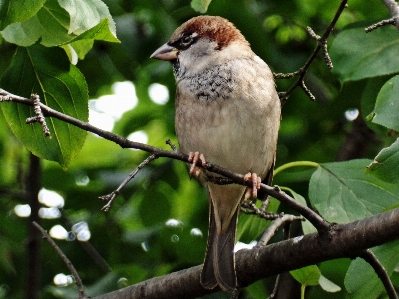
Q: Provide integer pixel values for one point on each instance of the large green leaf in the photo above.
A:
(357, 55)
(86, 14)
(386, 110)
(362, 281)
(47, 72)
(342, 192)
(12, 11)
(386, 165)
(61, 22)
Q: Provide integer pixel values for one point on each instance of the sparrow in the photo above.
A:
(227, 110)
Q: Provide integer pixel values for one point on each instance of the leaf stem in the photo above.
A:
(296, 164)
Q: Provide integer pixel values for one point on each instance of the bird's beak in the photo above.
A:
(165, 52)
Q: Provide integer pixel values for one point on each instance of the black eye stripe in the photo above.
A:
(185, 41)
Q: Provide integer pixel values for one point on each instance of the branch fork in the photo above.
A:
(393, 8)
(322, 44)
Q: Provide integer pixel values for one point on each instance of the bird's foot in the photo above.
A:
(193, 158)
(252, 191)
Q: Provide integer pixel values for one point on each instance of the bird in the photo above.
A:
(227, 112)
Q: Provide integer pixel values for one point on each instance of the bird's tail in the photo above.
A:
(219, 265)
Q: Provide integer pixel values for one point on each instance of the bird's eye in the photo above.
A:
(186, 40)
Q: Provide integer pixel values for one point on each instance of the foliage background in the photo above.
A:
(134, 239)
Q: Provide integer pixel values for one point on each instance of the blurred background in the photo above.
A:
(158, 224)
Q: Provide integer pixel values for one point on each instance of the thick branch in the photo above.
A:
(350, 241)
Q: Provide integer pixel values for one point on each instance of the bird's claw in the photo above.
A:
(193, 158)
(252, 191)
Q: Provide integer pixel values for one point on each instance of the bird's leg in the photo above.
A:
(252, 191)
(193, 158)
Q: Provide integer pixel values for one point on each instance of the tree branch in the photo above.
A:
(110, 197)
(370, 258)
(33, 184)
(68, 263)
(322, 44)
(393, 8)
(321, 225)
(349, 241)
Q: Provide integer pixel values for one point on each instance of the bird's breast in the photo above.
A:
(231, 115)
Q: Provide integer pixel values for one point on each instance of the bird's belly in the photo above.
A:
(228, 135)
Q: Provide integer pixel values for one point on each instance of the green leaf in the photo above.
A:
(82, 44)
(12, 11)
(256, 290)
(342, 192)
(61, 86)
(386, 110)
(386, 165)
(328, 285)
(86, 14)
(307, 276)
(81, 47)
(357, 55)
(200, 5)
(58, 26)
(51, 24)
(102, 31)
(362, 281)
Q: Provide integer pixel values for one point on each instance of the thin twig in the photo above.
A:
(393, 8)
(5, 96)
(390, 21)
(286, 76)
(307, 91)
(171, 145)
(275, 289)
(382, 273)
(270, 231)
(110, 197)
(249, 207)
(318, 222)
(321, 44)
(39, 115)
(68, 263)
(286, 236)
